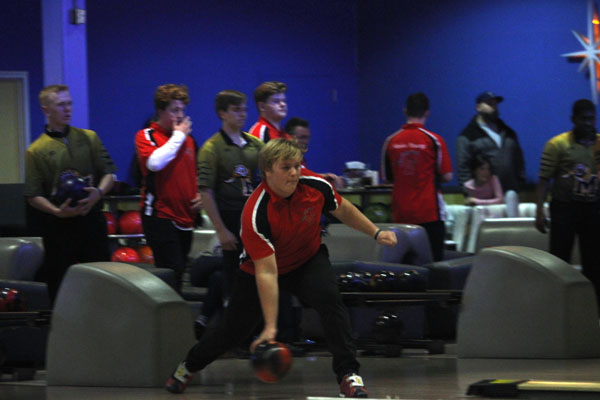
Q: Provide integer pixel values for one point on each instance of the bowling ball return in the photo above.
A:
(390, 301)
(23, 337)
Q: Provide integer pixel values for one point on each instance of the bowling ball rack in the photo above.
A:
(22, 370)
(387, 300)
(378, 299)
(25, 318)
(370, 347)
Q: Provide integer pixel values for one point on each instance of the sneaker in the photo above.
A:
(179, 380)
(352, 386)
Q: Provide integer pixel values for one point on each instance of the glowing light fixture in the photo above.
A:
(591, 49)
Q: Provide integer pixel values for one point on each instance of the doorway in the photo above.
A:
(14, 125)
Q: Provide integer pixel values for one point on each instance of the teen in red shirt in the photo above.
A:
(170, 198)
(281, 236)
(272, 107)
(417, 162)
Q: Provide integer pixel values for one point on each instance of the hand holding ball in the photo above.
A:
(71, 185)
(271, 361)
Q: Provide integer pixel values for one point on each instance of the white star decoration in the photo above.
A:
(591, 46)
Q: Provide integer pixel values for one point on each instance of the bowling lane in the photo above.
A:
(414, 375)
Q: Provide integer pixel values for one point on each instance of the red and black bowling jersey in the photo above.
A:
(167, 193)
(289, 227)
(414, 159)
(265, 131)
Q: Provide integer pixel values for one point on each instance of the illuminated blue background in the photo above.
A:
(349, 65)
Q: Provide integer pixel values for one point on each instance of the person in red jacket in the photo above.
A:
(271, 103)
(170, 198)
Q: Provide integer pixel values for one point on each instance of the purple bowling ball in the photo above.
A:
(71, 185)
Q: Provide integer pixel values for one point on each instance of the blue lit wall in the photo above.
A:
(210, 46)
(21, 44)
(452, 50)
(349, 64)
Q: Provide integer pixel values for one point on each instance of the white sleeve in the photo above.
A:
(165, 153)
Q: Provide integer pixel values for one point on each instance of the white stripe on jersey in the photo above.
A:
(148, 137)
(263, 130)
(438, 156)
(320, 179)
(254, 212)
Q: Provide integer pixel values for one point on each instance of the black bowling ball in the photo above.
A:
(388, 328)
(352, 282)
(410, 281)
(343, 281)
(382, 281)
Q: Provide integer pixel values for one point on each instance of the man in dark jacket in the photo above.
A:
(489, 136)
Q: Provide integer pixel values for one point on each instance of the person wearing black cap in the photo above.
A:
(487, 135)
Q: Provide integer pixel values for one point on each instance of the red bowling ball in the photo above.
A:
(130, 223)
(11, 300)
(111, 222)
(271, 361)
(145, 254)
(126, 255)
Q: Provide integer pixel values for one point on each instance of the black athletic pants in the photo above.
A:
(231, 258)
(69, 241)
(570, 219)
(314, 283)
(436, 232)
(207, 271)
(170, 245)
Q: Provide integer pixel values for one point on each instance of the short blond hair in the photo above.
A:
(46, 93)
(277, 149)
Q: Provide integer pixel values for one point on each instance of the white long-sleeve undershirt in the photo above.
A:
(167, 152)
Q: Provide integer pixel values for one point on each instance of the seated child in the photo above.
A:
(484, 188)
